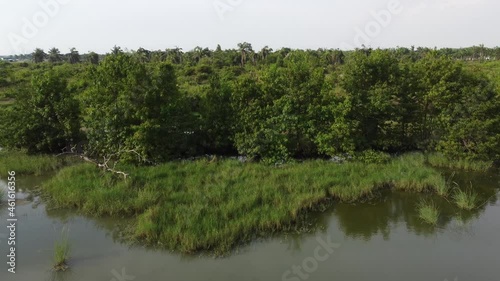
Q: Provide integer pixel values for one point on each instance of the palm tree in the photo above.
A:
(481, 52)
(264, 53)
(198, 53)
(54, 55)
(158, 56)
(74, 56)
(143, 55)
(244, 48)
(38, 55)
(175, 55)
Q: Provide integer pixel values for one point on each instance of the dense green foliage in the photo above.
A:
(154, 106)
(44, 118)
(4, 74)
(205, 205)
(133, 106)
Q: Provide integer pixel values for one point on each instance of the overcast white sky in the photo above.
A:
(92, 25)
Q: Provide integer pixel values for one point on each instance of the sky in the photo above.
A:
(92, 25)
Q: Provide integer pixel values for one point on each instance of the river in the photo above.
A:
(380, 239)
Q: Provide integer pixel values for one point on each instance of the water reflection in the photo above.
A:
(380, 215)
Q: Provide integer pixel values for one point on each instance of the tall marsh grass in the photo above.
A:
(22, 163)
(191, 206)
(441, 161)
(428, 212)
(466, 199)
(62, 251)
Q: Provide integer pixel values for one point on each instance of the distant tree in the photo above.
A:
(116, 50)
(245, 51)
(264, 53)
(158, 56)
(143, 55)
(338, 57)
(93, 58)
(284, 52)
(198, 53)
(74, 56)
(482, 51)
(38, 55)
(219, 57)
(54, 55)
(175, 55)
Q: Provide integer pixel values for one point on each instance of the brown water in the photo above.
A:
(382, 239)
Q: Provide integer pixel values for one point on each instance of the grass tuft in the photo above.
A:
(466, 199)
(428, 212)
(61, 252)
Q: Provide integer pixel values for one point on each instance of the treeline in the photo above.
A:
(177, 55)
(152, 107)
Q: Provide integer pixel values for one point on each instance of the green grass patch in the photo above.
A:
(193, 206)
(441, 161)
(466, 199)
(428, 212)
(22, 163)
(62, 251)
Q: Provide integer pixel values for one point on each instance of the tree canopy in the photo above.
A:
(274, 105)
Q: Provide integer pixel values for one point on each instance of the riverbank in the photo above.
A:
(200, 205)
(190, 206)
(24, 164)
